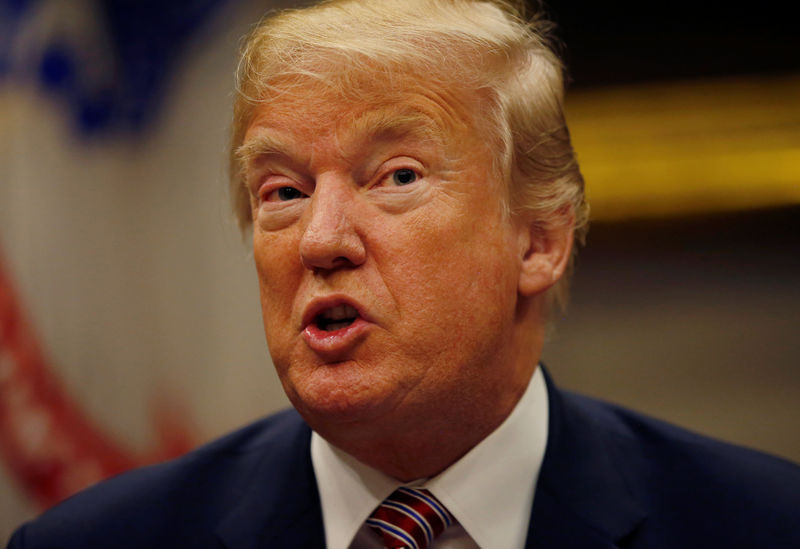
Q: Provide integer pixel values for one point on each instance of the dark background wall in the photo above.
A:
(692, 318)
(632, 41)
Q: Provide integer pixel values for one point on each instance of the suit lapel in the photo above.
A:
(280, 508)
(583, 495)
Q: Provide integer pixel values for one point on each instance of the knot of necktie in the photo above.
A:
(411, 518)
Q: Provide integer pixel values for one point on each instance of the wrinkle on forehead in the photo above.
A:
(341, 84)
(368, 113)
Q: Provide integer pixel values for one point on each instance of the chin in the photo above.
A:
(339, 393)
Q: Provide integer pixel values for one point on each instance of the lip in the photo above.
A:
(337, 341)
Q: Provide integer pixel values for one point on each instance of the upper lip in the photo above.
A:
(321, 304)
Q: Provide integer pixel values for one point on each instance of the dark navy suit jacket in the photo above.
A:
(610, 478)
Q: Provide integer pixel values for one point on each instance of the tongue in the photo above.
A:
(331, 325)
(337, 325)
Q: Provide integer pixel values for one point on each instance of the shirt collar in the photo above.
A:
(489, 490)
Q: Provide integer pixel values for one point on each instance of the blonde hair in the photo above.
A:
(483, 45)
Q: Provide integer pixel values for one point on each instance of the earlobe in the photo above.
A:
(545, 249)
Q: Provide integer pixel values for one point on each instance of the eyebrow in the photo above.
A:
(263, 144)
(385, 126)
(370, 127)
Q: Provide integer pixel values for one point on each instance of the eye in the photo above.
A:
(284, 194)
(404, 176)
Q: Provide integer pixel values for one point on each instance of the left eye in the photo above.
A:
(284, 194)
(404, 176)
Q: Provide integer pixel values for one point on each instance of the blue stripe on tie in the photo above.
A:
(432, 502)
(396, 532)
(410, 511)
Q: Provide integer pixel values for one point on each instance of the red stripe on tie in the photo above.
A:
(406, 519)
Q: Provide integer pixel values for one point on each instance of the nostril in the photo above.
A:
(325, 248)
(340, 262)
(322, 265)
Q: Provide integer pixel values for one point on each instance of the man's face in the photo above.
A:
(388, 271)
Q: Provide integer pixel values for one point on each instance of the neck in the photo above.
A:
(431, 446)
(429, 449)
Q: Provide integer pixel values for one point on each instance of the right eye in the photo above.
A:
(404, 176)
(283, 194)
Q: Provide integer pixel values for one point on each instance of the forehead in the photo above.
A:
(402, 106)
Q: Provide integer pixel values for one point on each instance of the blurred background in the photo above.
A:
(130, 328)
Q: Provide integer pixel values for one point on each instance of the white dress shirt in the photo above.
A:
(489, 491)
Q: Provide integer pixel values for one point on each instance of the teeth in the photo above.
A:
(336, 318)
(340, 312)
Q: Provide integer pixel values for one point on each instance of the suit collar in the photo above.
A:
(280, 507)
(583, 496)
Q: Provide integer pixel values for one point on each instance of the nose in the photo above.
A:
(330, 239)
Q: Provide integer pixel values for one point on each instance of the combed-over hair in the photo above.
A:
(483, 45)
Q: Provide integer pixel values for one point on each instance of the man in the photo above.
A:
(414, 199)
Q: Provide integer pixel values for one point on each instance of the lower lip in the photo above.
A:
(337, 341)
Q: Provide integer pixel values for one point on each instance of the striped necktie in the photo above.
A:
(410, 518)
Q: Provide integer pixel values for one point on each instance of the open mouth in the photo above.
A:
(336, 318)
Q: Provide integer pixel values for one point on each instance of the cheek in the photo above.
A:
(455, 280)
(470, 248)
(279, 271)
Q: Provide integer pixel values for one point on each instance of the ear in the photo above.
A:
(545, 249)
